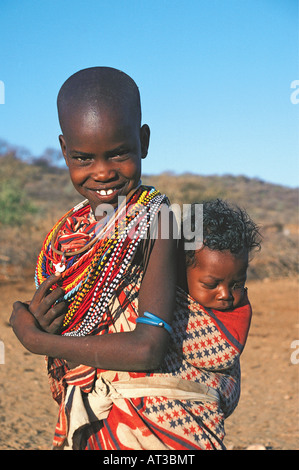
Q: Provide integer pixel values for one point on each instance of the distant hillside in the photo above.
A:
(34, 195)
(266, 203)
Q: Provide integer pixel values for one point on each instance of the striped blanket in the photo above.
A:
(182, 405)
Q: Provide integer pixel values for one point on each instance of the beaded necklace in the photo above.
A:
(91, 274)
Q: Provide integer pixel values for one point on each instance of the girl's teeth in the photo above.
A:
(102, 192)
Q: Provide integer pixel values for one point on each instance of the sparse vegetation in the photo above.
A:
(34, 194)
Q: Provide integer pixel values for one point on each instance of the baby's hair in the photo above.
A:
(226, 228)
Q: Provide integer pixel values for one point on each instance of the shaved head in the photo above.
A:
(95, 90)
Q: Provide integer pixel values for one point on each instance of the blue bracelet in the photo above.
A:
(151, 319)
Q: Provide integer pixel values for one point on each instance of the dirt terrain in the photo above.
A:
(267, 415)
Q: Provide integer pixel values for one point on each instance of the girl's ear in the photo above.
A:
(63, 147)
(144, 139)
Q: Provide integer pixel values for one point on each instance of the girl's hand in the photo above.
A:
(49, 316)
(23, 323)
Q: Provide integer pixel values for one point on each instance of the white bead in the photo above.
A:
(59, 268)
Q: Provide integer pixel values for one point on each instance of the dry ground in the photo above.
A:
(268, 410)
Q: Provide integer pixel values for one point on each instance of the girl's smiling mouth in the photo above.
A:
(104, 192)
(111, 192)
(108, 195)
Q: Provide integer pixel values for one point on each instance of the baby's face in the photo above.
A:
(103, 151)
(217, 278)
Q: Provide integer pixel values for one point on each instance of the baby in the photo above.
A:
(216, 273)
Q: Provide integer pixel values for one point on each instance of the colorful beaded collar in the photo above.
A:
(91, 272)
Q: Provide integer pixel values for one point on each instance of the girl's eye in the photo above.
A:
(121, 156)
(81, 159)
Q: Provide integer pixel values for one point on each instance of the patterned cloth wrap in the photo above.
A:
(182, 405)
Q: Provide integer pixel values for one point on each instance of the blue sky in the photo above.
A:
(215, 77)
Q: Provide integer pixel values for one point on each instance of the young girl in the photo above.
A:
(136, 388)
(103, 144)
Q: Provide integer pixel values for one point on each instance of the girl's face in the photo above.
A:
(217, 278)
(103, 151)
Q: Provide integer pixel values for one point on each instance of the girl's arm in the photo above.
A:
(138, 350)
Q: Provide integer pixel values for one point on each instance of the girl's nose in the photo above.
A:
(103, 171)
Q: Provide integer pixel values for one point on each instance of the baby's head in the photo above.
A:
(102, 139)
(216, 273)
